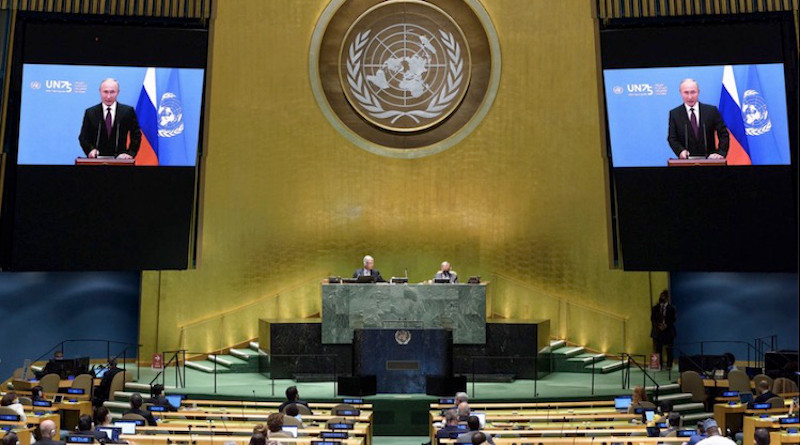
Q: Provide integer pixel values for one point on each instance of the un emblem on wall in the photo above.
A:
(404, 66)
(404, 78)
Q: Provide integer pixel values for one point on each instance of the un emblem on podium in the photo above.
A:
(402, 337)
(404, 78)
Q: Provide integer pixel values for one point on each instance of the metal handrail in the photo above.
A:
(272, 378)
(756, 347)
(645, 375)
(60, 346)
(509, 357)
(179, 382)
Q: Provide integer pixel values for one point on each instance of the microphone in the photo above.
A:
(406, 271)
(99, 124)
(686, 137)
(222, 419)
(705, 142)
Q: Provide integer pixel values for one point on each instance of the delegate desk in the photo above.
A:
(24, 430)
(479, 406)
(198, 439)
(605, 440)
(730, 416)
(459, 307)
(234, 418)
(238, 404)
(27, 385)
(773, 424)
(24, 434)
(780, 437)
(239, 429)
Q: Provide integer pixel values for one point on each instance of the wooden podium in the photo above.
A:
(104, 161)
(695, 162)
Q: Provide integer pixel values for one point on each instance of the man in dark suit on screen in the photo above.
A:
(693, 125)
(107, 126)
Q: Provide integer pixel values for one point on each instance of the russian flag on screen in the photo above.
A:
(147, 114)
(731, 111)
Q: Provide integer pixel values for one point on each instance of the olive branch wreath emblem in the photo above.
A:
(439, 102)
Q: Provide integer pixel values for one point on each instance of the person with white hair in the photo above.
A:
(693, 125)
(445, 273)
(368, 270)
(461, 396)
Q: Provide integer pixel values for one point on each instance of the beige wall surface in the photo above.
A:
(288, 201)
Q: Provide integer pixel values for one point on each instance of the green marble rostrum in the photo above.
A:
(460, 307)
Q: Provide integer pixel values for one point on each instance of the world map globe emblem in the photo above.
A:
(170, 116)
(405, 72)
(755, 114)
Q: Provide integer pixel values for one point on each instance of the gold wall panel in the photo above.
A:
(288, 201)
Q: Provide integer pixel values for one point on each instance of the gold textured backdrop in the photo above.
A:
(288, 201)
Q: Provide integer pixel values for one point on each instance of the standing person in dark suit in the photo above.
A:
(693, 125)
(107, 126)
(48, 431)
(662, 317)
(368, 270)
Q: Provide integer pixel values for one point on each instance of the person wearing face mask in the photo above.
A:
(662, 318)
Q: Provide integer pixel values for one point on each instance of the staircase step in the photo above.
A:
(254, 346)
(116, 406)
(227, 360)
(144, 388)
(676, 397)
(586, 359)
(695, 417)
(235, 364)
(125, 396)
(207, 366)
(244, 354)
(568, 351)
(664, 389)
(556, 344)
(606, 366)
(684, 407)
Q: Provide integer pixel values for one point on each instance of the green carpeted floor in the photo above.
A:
(554, 386)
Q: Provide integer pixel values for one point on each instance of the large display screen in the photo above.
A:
(702, 140)
(62, 113)
(746, 123)
(103, 144)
